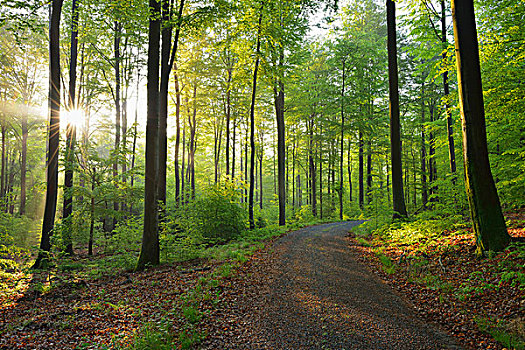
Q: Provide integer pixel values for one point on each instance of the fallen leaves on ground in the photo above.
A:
(450, 286)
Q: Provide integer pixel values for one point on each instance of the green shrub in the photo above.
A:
(215, 217)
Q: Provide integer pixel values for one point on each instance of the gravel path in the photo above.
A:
(316, 294)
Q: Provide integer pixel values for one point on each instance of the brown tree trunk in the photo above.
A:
(424, 186)
(252, 120)
(281, 156)
(485, 208)
(116, 48)
(23, 165)
(361, 171)
(450, 122)
(67, 208)
(177, 138)
(48, 222)
(341, 177)
(149, 253)
(399, 206)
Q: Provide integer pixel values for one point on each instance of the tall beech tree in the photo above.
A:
(168, 56)
(50, 207)
(252, 118)
(398, 196)
(67, 209)
(150, 250)
(485, 209)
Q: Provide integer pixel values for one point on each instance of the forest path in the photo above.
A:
(316, 294)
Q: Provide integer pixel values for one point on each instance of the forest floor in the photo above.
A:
(316, 288)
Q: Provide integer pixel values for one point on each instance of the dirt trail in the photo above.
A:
(316, 294)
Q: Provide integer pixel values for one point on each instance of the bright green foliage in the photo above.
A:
(215, 217)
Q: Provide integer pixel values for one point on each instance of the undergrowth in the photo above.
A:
(436, 252)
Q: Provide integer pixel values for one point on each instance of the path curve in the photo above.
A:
(320, 296)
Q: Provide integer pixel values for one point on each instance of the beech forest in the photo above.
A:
(262, 174)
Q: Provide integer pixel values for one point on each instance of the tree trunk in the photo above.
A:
(485, 208)
(450, 122)
(432, 168)
(361, 171)
(168, 55)
(149, 253)
(424, 186)
(116, 47)
(399, 206)
(261, 179)
(349, 168)
(177, 137)
(92, 213)
(67, 208)
(369, 173)
(23, 165)
(341, 177)
(252, 120)
(228, 120)
(312, 171)
(182, 173)
(53, 135)
(193, 142)
(3, 184)
(281, 157)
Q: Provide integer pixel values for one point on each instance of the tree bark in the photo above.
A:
(252, 120)
(424, 186)
(177, 137)
(341, 177)
(23, 165)
(53, 135)
(450, 122)
(281, 156)
(399, 206)
(361, 171)
(67, 208)
(116, 48)
(168, 55)
(485, 208)
(149, 253)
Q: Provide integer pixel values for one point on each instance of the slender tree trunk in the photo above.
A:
(450, 122)
(233, 149)
(193, 142)
(134, 148)
(252, 120)
(116, 47)
(432, 168)
(182, 176)
(341, 177)
(67, 208)
(349, 168)
(92, 213)
(361, 171)
(312, 171)
(23, 165)
(485, 208)
(424, 186)
(399, 206)
(281, 156)
(261, 180)
(53, 135)
(177, 137)
(321, 179)
(149, 253)
(293, 174)
(3, 184)
(228, 120)
(369, 173)
(168, 55)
